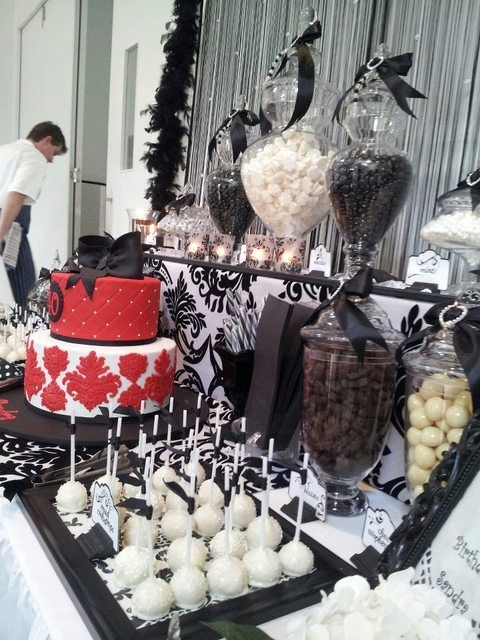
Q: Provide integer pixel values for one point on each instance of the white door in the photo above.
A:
(48, 76)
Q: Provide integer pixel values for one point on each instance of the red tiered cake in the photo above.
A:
(102, 348)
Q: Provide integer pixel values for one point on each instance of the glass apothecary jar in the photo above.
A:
(456, 227)
(346, 404)
(438, 406)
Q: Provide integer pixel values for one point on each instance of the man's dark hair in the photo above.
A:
(44, 129)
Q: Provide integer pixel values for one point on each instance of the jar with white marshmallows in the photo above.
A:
(438, 406)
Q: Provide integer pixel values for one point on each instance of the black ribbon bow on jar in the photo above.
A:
(306, 74)
(236, 122)
(389, 70)
(472, 182)
(100, 256)
(185, 200)
(465, 325)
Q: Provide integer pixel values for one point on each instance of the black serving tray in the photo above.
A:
(106, 619)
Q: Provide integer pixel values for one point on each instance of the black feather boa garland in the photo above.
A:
(169, 113)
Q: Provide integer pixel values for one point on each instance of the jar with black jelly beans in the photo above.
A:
(368, 182)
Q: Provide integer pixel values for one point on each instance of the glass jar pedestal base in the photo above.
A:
(344, 499)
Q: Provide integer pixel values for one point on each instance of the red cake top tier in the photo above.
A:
(121, 311)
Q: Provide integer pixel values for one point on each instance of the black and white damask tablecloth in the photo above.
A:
(194, 306)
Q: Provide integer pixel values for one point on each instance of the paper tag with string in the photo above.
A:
(320, 260)
(105, 513)
(315, 493)
(428, 267)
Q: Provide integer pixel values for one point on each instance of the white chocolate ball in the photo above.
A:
(177, 553)
(418, 419)
(454, 435)
(237, 544)
(152, 599)
(4, 350)
(415, 401)
(430, 388)
(454, 386)
(200, 472)
(115, 485)
(457, 416)
(130, 490)
(207, 494)
(12, 357)
(424, 456)
(22, 352)
(71, 497)
(273, 533)
(431, 436)
(435, 408)
(244, 511)
(416, 475)
(174, 502)
(414, 436)
(296, 558)
(174, 524)
(189, 587)
(208, 520)
(464, 398)
(159, 477)
(130, 531)
(263, 567)
(131, 566)
(443, 425)
(440, 450)
(227, 578)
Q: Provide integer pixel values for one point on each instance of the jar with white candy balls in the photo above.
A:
(438, 406)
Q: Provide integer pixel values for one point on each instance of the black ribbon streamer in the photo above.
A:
(237, 120)
(182, 201)
(98, 256)
(474, 178)
(389, 70)
(466, 342)
(255, 479)
(176, 488)
(139, 506)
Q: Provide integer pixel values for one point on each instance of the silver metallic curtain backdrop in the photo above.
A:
(240, 38)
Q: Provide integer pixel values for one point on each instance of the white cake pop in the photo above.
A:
(159, 477)
(208, 520)
(237, 542)
(22, 351)
(189, 587)
(152, 599)
(210, 492)
(227, 578)
(177, 553)
(13, 357)
(273, 533)
(130, 531)
(200, 472)
(174, 524)
(131, 566)
(296, 558)
(130, 490)
(173, 502)
(4, 350)
(115, 485)
(244, 510)
(263, 567)
(71, 497)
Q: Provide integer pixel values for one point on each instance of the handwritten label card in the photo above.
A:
(320, 260)
(315, 494)
(377, 529)
(429, 268)
(105, 513)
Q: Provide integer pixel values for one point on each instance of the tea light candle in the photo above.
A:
(221, 248)
(289, 254)
(259, 251)
(196, 244)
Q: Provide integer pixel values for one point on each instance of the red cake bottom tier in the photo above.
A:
(67, 379)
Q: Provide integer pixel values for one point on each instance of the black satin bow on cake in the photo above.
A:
(236, 122)
(306, 74)
(100, 256)
(466, 342)
(389, 70)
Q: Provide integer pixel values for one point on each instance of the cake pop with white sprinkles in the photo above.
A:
(71, 496)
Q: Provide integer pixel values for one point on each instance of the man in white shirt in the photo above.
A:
(23, 165)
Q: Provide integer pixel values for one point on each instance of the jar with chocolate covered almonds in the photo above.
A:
(438, 405)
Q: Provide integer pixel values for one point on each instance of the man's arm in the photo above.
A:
(14, 201)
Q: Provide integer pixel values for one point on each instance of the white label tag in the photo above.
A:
(315, 494)
(377, 529)
(428, 267)
(320, 260)
(105, 513)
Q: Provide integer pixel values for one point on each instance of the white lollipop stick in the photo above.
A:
(170, 406)
(242, 485)
(155, 434)
(72, 448)
(169, 442)
(236, 458)
(199, 402)
(115, 456)
(218, 435)
(301, 499)
(227, 513)
(142, 496)
(195, 434)
(188, 537)
(264, 507)
(184, 420)
(155, 425)
(243, 429)
(109, 453)
(149, 533)
(140, 431)
(271, 444)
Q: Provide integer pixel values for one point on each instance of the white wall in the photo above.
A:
(7, 52)
(126, 188)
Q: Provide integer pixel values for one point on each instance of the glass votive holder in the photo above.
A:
(196, 245)
(289, 254)
(221, 248)
(260, 251)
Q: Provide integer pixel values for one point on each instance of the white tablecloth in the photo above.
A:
(34, 604)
